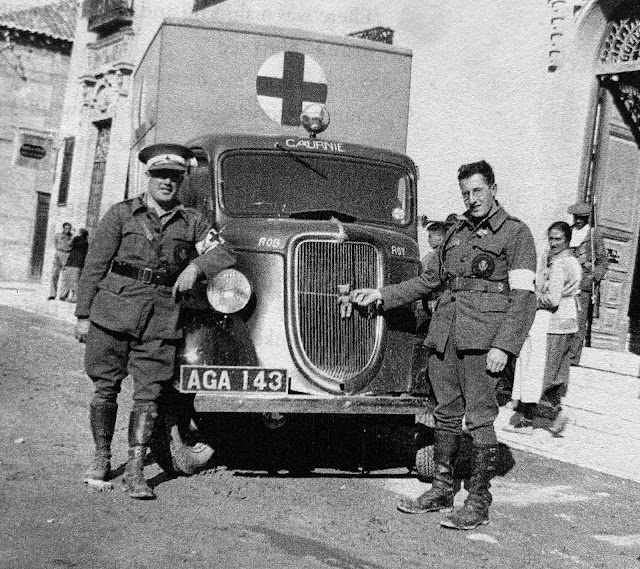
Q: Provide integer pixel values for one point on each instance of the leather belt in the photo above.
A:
(476, 285)
(144, 274)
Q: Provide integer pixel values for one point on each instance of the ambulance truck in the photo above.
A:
(299, 141)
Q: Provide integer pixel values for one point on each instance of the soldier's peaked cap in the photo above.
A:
(581, 209)
(166, 156)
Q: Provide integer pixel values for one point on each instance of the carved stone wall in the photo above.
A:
(110, 65)
(622, 43)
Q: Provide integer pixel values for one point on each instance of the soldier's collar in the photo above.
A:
(494, 219)
(497, 217)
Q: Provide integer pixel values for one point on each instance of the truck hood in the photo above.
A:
(274, 235)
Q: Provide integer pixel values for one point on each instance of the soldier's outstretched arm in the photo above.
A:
(413, 289)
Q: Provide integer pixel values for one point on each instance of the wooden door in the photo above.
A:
(617, 194)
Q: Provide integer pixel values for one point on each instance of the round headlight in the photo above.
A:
(229, 291)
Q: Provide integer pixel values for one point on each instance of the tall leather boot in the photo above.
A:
(102, 418)
(475, 510)
(141, 423)
(440, 495)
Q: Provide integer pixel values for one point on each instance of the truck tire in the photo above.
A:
(174, 443)
(425, 427)
(173, 454)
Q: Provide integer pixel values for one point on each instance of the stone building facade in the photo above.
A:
(548, 91)
(35, 50)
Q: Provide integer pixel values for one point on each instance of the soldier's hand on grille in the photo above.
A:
(346, 307)
(186, 279)
(365, 296)
(496, 360)
(81, 329)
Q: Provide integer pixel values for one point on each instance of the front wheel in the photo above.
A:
(424, 437)
(174, 443)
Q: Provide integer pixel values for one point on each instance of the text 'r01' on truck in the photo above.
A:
(268, 361)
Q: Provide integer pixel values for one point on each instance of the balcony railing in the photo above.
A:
(107, 15)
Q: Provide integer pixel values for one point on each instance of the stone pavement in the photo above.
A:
(603, 399)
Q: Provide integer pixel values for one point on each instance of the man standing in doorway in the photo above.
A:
(62, 244)
(486, 268)
(142, 256)
(585, 241)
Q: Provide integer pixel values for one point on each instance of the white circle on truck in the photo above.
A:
(286, 83)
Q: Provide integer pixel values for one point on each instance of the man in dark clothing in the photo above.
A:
(142, 256)
(486, 267)
(62, 244)
(585, 241)
(73, 266)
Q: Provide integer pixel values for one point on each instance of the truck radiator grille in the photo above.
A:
(337, 348)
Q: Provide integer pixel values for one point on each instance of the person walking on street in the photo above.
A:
(143, 255)
(486, 266)
(62, 245)
(585, 241)
(73, 267)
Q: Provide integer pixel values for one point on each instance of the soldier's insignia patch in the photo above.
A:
(483, 265)
(182, 254)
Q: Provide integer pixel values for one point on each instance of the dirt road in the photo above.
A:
(546, 514)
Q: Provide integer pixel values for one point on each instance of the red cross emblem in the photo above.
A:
(286, 83)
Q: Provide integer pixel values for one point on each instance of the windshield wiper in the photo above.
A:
(301, 161)
(323, 214)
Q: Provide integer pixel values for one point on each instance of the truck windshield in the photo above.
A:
(296, 184)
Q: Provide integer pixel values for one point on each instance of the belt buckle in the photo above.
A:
(147, 275)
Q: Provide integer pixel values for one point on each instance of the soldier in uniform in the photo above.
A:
(585, 240)
(486, 267)
(142, 256)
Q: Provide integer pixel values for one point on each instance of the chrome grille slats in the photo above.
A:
(336, 348)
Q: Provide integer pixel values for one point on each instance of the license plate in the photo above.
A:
(232, 379)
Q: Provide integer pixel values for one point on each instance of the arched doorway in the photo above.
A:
(613, 180)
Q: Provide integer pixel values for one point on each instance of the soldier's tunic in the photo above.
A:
(135, 325)
(488, 301)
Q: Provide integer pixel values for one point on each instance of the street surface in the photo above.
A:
(547, 513)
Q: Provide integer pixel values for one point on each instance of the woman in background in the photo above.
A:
(542, 372)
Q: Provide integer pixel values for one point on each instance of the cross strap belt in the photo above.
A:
(144, 274)
(476, 285)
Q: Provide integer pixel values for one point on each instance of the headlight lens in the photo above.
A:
(229, 291)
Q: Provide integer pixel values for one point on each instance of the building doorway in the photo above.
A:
(39, 235)
(103, 137)
(614, 184)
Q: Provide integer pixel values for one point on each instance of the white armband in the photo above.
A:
(522, 279)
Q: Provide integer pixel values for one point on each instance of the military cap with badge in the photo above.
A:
(166, 156)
